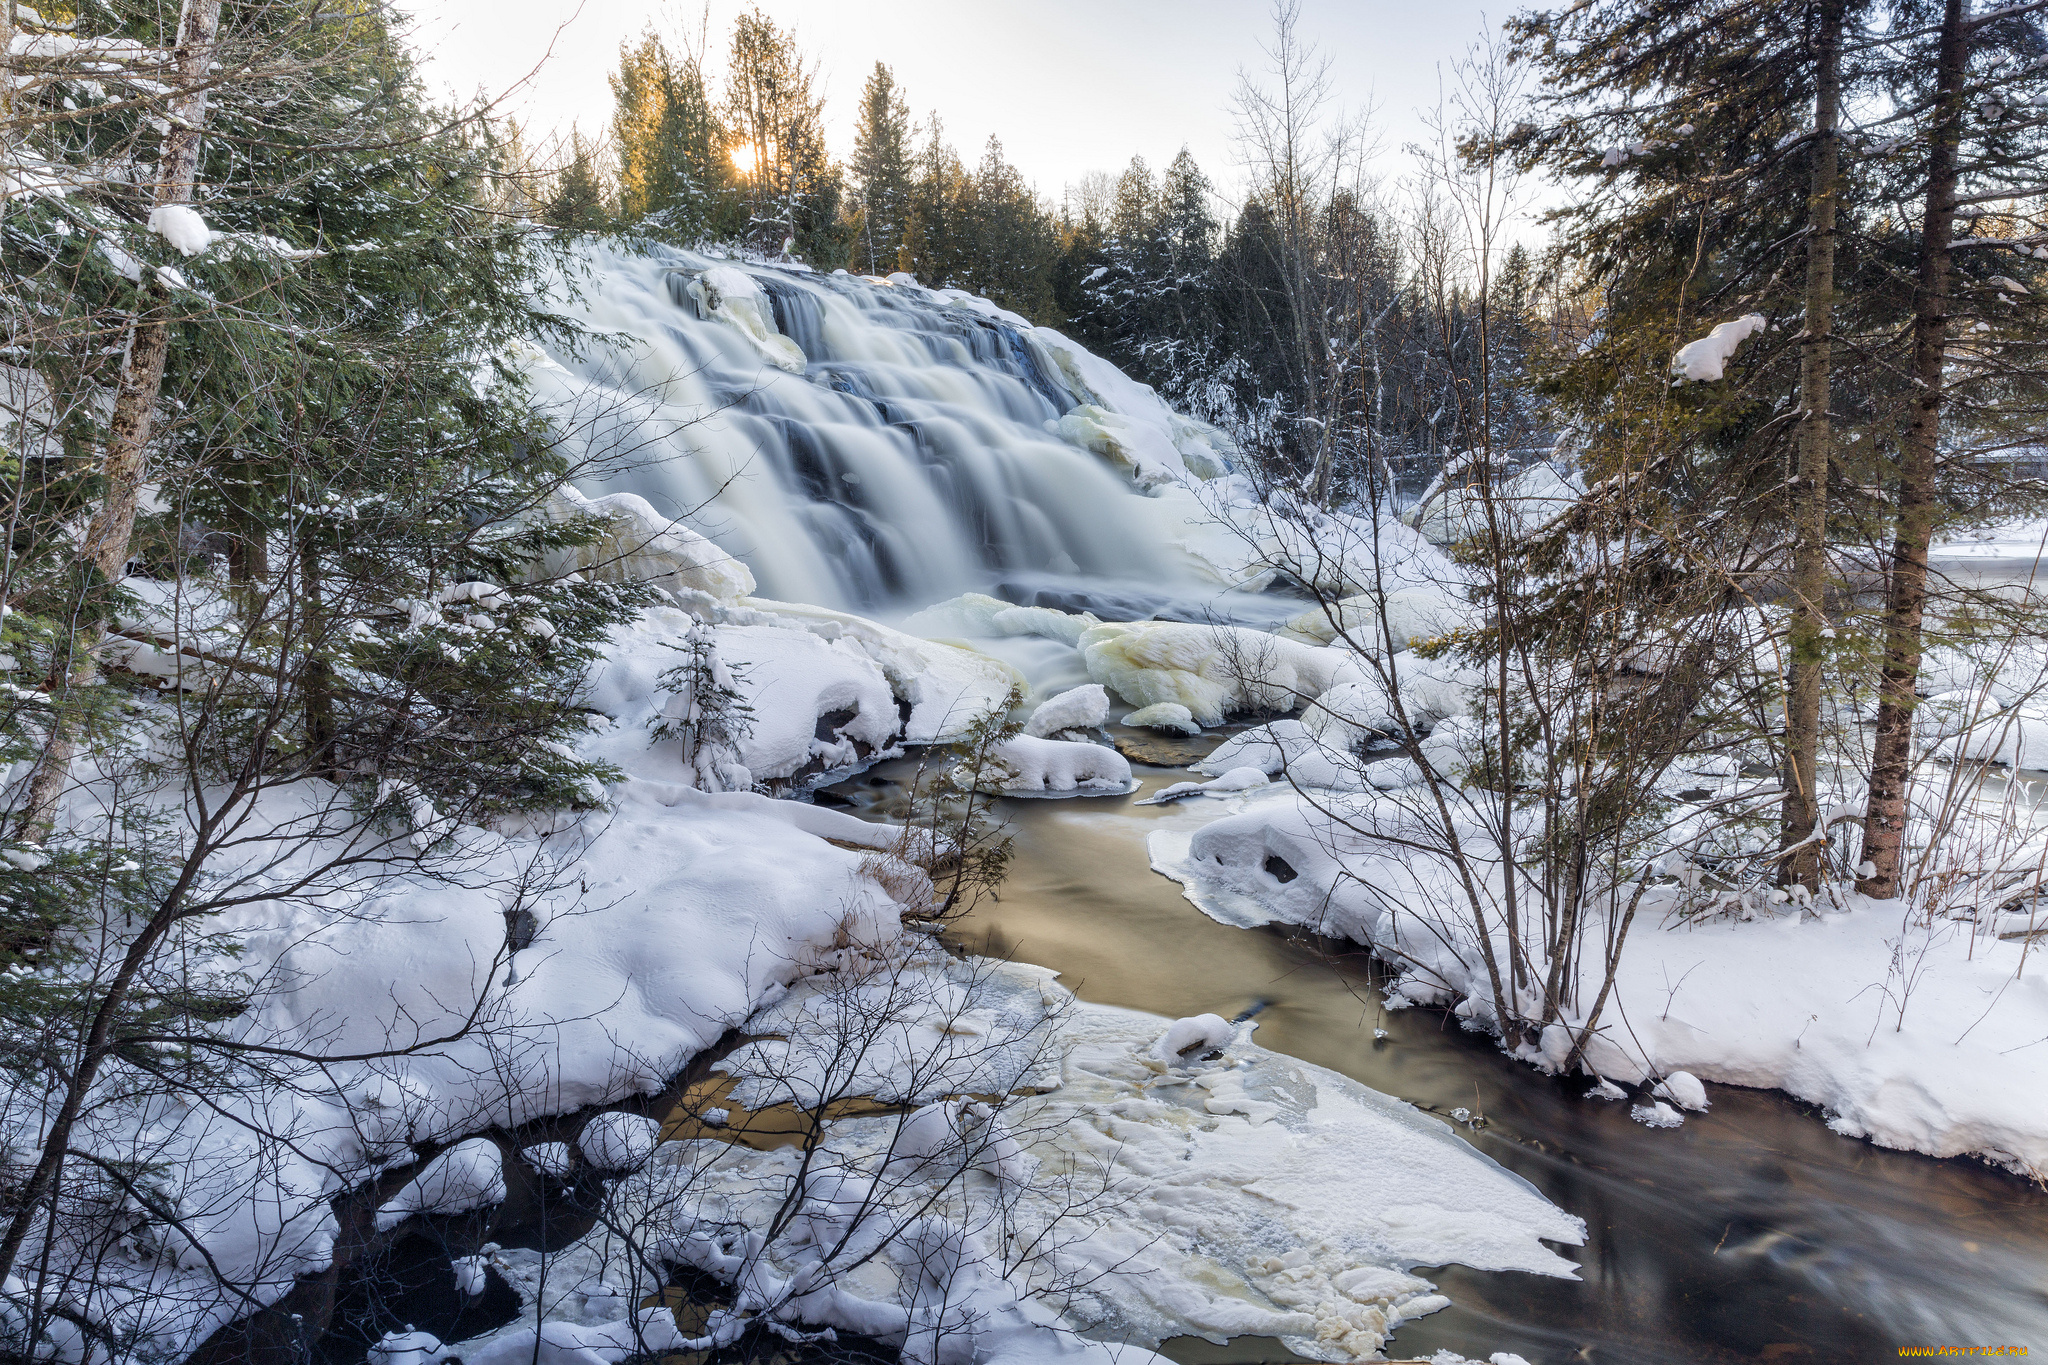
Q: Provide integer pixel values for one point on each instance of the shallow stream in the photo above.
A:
(1752, 1233)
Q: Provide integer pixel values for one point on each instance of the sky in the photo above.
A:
(1069, 86)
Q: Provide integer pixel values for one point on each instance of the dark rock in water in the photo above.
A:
(1165, 751)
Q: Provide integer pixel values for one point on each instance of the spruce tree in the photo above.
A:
(881, 172)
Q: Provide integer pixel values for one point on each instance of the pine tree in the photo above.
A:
(881, 170)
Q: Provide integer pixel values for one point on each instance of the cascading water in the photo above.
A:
(878, 446)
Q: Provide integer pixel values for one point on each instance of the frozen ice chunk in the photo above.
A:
(731, 296)
(1410, 615)
(1080, 708)
(1213, 671)
(642, 546)
(1657, 1115)
(1196, 1034)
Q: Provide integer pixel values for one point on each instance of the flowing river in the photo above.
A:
(1752, 1233)
(881, 448)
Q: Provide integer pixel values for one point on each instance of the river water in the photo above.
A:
(1751, 1233)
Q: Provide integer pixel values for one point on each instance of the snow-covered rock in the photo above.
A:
(616, 1141)
(1025, 766)
(1197, 1033)
(1167, 717)
(1212, 671)
(469, 1175)
(1080, 708)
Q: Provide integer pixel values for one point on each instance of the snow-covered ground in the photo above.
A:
(1925, 1037)
(1236, 1192)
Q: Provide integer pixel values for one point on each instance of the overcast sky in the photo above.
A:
(1068, 85)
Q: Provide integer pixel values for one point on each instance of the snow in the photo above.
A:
(1704, 360)
(1924, 1035)
(182, 227)
(1451, 510)
(1212, 671)
(645, 547)
(617, 1141)
(469, 1175)
(730, 295)
(1166, 717)
(1683, 1089)
(1080, 708)
(1198, 1033)
(1249, 1194)
(1027, 766)
(1657, 1115)
(1412, 615)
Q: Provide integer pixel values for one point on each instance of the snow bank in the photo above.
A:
(1452, 509)
(1411, 615)
(1923, 1036)
(1248, 1195)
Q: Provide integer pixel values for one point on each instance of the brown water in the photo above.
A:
(1752, 1233)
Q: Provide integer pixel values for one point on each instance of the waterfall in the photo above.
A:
(874, 445)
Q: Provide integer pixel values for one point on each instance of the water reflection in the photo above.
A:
(1752, 1233)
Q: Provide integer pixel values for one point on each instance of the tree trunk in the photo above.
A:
(104, 551)
(1801, 808)
(1891, 758)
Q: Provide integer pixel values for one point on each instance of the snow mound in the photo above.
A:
(1212, 671)
(618, 1141)
(1026, 766)
(1079, 708)
(1196, 1034)
(469, 1175)
(645, 547)
(1167, 717)
(1683, 1089)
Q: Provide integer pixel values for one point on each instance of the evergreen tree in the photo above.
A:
(881, 170)
(776, 135)
(674, 175)
(579, 202)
